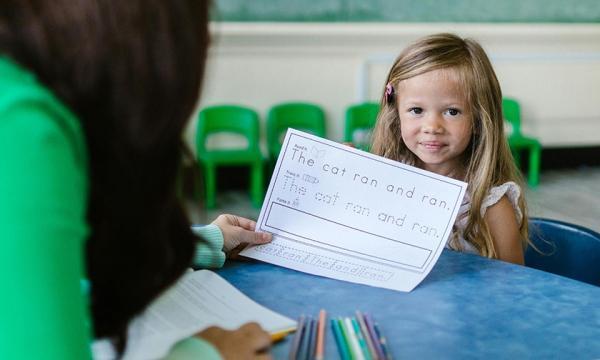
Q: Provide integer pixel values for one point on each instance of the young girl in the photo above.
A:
(442, 111)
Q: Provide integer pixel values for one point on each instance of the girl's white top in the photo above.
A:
(512, 192)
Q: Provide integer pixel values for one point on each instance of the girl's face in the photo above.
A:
(435, 119)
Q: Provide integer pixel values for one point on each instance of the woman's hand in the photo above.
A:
(250, 341)
(238, 232)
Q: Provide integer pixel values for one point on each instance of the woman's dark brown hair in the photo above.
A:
(131, 71)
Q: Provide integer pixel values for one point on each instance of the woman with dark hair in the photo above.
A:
(94, 97)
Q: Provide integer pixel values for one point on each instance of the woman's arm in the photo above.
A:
(42, 235)
(504, 229)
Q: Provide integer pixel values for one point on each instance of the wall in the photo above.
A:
(552, 69)
(407, 10)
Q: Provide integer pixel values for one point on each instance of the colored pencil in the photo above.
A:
(339, 339)
(383, 342)
(319, 354)
(305, 342)
(313, 339)
(361, 339)
(374, 337)
(346, 338)
(365, 334)
(280, 335)
(297, 338)
(363, 326)
(353, 340)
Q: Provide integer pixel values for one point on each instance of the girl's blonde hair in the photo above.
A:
(487, 160)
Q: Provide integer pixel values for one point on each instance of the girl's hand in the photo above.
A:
(250, 341)
(238, 232)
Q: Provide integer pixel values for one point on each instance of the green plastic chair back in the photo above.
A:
(360, 119)
(518, 142)
(235, 120)
(512, 114)
(227, 119)
(301, 116)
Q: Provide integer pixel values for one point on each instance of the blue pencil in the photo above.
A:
(312, 343)
(383, 342)
(297, 338)
(339, 339)
(304, 343)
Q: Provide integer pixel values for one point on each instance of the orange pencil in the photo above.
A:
(321, 335)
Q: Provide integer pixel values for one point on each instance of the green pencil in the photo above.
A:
(361, 339)
(353, 340)
(339, 339)
(346, 337)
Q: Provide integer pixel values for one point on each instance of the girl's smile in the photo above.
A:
(432, 145)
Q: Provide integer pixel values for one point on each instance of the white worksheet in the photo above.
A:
(346, 214)
(199, 300)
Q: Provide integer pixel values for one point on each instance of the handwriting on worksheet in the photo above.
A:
(344, 213)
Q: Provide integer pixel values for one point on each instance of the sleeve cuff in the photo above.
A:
(193, 348)
(209, 249)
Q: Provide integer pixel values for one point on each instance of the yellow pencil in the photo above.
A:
(280, 335)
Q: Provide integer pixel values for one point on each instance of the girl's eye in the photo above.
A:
(416, 110)
(453, 111)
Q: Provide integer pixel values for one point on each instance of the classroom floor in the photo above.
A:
(569, 195)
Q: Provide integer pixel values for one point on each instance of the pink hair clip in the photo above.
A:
(389, 93)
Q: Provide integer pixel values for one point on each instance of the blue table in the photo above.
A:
(468, 307)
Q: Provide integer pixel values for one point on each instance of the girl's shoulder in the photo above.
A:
(511, 190)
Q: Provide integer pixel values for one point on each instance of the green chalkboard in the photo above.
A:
(565, 11)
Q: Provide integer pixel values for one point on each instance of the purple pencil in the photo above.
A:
(363, 328)
(374, 337)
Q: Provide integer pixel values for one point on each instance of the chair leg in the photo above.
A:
(211, 185)
(535, 154)
(256, 185)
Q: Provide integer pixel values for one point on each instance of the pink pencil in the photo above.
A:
(321, 335)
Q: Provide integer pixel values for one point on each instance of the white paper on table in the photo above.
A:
(346, 214)
(199, 300)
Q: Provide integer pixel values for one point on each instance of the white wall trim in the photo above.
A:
(265, 33)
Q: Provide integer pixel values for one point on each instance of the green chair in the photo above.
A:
(360, 121)
(236, 120)
(519, 142)
(301, 116)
